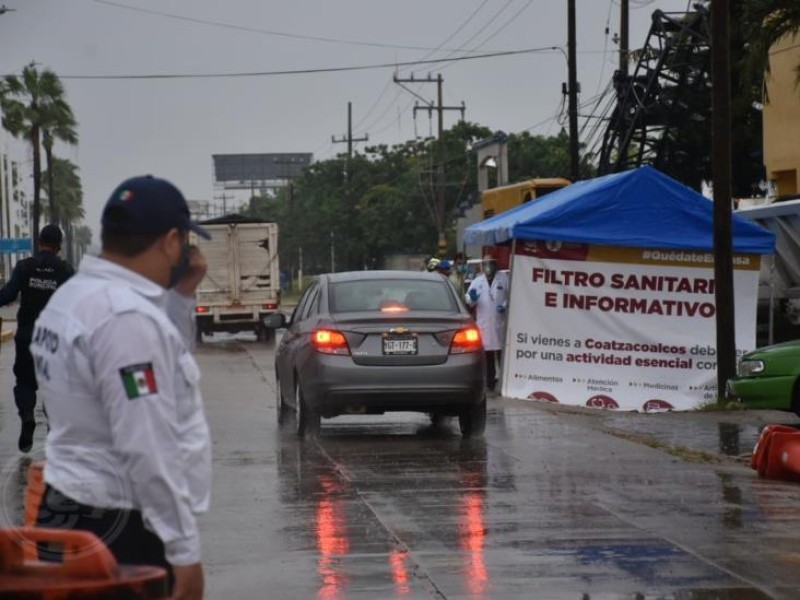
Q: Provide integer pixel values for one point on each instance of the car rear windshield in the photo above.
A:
(391, 295)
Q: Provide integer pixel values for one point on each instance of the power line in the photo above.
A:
(374, 104)
(458, 30)
(258, 30)
(310, 71)
(389, 107)
(485, 41)
(477, 33)
(495, 33)
(503, 26)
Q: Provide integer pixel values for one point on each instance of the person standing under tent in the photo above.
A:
(488, 294)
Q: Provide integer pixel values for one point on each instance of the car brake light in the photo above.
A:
(330, 342)
(466, 340)
(270, 306)
(394, 308)
(201, 309)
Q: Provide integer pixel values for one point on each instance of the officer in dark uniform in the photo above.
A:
(35, 278)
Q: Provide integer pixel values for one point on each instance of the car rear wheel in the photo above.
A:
(307, 419)
(279, 403)
(472, 420)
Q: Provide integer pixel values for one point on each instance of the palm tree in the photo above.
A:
(34, 103)
(60, 126)
(83, 239)
(65, 198)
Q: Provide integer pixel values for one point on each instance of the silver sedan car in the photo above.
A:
(369, 342)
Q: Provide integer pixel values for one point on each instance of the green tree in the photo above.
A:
(533, 156)
(384, 201)
(35, 103)
(65, 196)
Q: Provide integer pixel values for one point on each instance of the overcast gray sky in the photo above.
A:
(171, 127)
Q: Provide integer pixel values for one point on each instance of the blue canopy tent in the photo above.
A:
(641, 208)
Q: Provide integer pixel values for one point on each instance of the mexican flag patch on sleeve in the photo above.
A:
(139, 380)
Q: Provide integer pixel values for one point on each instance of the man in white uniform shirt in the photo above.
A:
(128, 452)
(488, 293)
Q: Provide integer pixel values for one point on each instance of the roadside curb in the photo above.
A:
(714, 437)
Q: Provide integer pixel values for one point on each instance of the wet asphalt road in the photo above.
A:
(547, 506)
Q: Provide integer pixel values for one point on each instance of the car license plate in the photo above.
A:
(399, 345)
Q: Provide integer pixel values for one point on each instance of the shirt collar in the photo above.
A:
(96, 266)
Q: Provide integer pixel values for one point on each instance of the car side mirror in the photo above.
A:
(276, 320)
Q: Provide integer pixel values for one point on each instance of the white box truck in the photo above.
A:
(242, 284)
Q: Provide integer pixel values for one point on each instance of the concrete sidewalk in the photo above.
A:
(7, 330)
(696, 436)
(8, 321)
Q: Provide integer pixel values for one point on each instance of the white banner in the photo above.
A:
(614, 327)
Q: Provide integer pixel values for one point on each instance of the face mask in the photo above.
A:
(489, 269)
(178, 271)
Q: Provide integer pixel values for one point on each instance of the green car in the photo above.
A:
(768, 378)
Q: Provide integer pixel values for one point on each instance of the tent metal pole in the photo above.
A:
(771, 300)
(506, 343)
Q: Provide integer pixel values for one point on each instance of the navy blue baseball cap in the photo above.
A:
(148, 204)
(51, 235)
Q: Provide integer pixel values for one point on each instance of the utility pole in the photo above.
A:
(349, 139)
(624, 34)
(721, 161)
(333, 255)
(224, 197)
(440, 211)
(572, 91)
(300, 271)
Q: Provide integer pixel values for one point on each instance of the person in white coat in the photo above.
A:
(488, 293)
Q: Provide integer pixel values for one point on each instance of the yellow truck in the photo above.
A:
(499, 199)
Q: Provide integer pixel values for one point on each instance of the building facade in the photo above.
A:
(782, 119)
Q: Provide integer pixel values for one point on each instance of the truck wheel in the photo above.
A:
(264, 334)
(198, 334)
(437, 419)
(472, 420)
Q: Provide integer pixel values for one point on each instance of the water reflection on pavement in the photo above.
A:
(547, 506)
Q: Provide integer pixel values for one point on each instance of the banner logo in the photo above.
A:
(602, 401)
(544, 396)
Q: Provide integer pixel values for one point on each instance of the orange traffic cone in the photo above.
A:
(33, 500)
(783, 459)
(88, 570)
(758, 461)
(34, 492)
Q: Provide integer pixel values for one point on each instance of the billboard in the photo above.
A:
(611, 327)
(258, 170)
